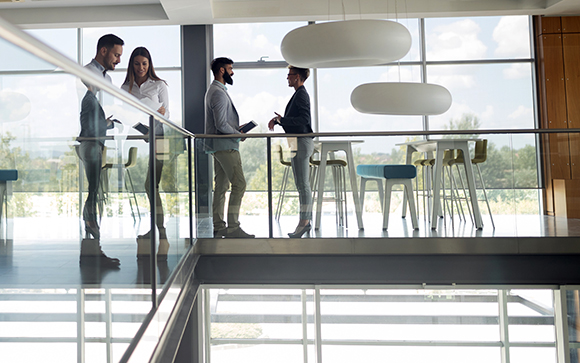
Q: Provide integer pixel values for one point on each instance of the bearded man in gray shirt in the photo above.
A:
(221, 118)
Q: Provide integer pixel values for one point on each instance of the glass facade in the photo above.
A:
(93, 314)
(472, 57)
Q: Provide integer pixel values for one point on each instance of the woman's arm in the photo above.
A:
(163, 97)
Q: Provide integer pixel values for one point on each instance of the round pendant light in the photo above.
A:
(401, 98)
(349, 43)
(14, 106)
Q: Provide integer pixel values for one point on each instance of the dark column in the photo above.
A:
(189, 347)
(197, 53)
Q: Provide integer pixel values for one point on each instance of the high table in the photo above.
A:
(439, 146)
(328, 146)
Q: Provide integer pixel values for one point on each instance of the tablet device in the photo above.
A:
(141, 128)
(250, 125)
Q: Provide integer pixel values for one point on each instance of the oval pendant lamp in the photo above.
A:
(349, 43)
(14, 106)
(401, 98)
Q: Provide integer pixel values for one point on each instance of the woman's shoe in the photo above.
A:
(162, 249)
(92, 231)
(300, 231)
(145, 236)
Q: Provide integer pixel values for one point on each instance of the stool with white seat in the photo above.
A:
(393, 175)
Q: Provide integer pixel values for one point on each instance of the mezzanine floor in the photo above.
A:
(44, 252)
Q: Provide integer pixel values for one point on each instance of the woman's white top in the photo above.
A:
(155, 91)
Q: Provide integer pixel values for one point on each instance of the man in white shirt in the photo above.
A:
(109, 51)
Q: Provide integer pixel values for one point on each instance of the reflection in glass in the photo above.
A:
(63, 40)
(20, 60)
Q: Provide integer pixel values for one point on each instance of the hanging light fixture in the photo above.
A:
(14, 106)
(401, 98)
(349, 43)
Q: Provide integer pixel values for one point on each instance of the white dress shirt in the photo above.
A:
(152, 89)
(98, 69)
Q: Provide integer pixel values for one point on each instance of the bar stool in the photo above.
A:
(393, 175)
(287, 167)
(479, 157)
(339, 180)
(453, 198)
(425, 166)
(131, 162)
(363, 185)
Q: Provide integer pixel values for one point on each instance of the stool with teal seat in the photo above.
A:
(393, 175)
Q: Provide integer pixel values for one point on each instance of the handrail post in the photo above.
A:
(152, 201)
(190, 187)
(269, 161)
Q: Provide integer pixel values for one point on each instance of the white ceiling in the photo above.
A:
(75, 13)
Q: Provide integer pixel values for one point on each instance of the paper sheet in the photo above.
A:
(149, 102)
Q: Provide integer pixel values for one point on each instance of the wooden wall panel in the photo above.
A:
(571, 43)
(553, 66)
(548, 196)
(571, 24)
(573, 198)
(567, 198)
(553, 70)
(543, 122)
(549, 25)
(560, 198)
(559, 156)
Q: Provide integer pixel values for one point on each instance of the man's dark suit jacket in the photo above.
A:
(93, 121)
(296, 118)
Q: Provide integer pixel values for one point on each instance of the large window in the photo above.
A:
(379, 325)
(485, 63)
(251, 42)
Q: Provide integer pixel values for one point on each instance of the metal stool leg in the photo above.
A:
(485, 194)
(134, 196)
(282, 192)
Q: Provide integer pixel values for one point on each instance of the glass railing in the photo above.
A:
(80, 269)
(522, 195)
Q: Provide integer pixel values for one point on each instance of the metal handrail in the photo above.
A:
(23, 40)
(393, 133)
